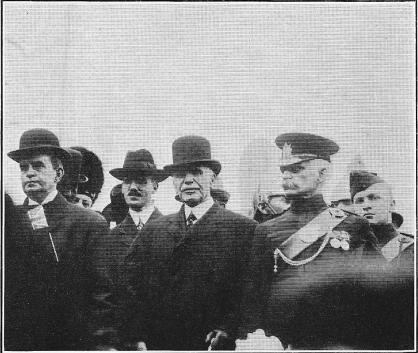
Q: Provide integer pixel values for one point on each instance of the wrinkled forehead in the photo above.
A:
(381, 189)
(35, 158)
(193, 169)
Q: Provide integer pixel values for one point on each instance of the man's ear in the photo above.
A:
(155, 185)
(322, 174)
(392, 205)
(60, 173)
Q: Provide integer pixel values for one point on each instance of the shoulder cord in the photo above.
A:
(291, 262)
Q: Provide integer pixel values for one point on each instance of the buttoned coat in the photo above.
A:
(187, 282)
(62, 291)
(122, 237)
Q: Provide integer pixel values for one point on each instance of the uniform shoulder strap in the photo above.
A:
(396, 245)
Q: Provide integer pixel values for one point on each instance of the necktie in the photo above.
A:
(190, 220)
(140, 225)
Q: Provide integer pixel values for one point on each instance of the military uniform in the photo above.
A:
(395, 249)
(307, 247)
(272, 283)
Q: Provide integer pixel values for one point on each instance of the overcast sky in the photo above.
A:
(115, 77)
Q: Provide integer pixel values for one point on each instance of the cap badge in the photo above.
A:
(286, 151)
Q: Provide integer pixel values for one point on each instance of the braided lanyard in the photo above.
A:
(291, 262)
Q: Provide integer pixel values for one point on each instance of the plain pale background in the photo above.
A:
(115, 77)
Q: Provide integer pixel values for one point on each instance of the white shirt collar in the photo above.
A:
(48, 198)
(142, 215)
(200, 209)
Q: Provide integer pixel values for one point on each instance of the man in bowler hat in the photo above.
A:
(292, 252)
(373, 200)
(187, 266)
(64, 256)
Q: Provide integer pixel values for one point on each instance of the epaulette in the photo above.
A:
(395, 246)
(408, 235)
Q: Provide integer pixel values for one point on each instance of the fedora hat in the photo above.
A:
(139, 163)
(38, 141)
(189, 151)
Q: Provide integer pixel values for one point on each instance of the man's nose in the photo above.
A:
(30, 172)
(134, 185)
(287, 175)
(189, 178)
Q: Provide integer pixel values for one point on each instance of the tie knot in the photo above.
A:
(191, 219)
(140, 225)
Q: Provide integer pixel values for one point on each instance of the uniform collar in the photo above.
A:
(200, 209)
(142, 215)
(384, 232)
(51, 196)
(310, 204)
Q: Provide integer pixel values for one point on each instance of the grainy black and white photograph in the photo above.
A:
(194, 176)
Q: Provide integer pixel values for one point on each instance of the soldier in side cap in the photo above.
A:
(373, 200)
(64, 257)
(187, 267)
(292, 251)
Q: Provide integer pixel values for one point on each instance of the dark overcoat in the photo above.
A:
(269, 294)
(121, 239)
(188, 282)
(62, 293)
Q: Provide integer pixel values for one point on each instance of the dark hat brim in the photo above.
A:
(210, 163)
(23, 153)
(121, 173)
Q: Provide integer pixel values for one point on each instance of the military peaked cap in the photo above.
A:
(300, 147)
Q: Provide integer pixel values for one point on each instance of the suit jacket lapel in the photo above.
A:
(55, 211)
(127, 230)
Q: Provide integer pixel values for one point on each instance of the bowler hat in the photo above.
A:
(189, 151)
(38, 141)
(299, 147)
(139, 163)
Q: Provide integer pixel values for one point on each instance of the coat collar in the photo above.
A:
(128, 225)
(177, 224)
(56, 210)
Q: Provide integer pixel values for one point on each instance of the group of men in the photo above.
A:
(204, 277)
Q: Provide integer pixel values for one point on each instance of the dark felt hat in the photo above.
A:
(91, 177)
(189, 151)
(299, 147)
(139, 163)
(361, 180)
(38, 141)
(72, 167)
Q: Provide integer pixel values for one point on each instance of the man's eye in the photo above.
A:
(37, 166)
(24, 167)
(359, 200)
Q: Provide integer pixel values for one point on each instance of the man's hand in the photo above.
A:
(140, 346)
(259, 341)
(219, 340)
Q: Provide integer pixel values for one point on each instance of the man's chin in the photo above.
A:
(191, 201)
